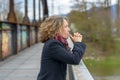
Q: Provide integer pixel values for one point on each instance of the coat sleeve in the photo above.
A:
(58, 52)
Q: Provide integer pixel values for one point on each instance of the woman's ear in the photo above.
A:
(59, 31)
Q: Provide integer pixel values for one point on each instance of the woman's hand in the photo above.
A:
(77, 37)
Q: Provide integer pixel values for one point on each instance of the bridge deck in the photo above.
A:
(25, 66)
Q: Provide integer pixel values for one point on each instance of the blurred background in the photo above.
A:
(96, 20)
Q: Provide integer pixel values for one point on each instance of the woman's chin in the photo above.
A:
(66, 37)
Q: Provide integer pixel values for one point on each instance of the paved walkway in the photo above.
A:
(23, 66)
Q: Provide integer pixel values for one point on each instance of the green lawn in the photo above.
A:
(101, 65)
(106, 67)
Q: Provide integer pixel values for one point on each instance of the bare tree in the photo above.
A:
(96, 27)
(4, 8)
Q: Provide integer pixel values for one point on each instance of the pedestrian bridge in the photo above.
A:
(26, 64)
(20, 49)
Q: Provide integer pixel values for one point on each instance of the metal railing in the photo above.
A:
(78, 72)
(15, 37)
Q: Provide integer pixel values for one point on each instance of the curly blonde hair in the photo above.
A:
(49, 27)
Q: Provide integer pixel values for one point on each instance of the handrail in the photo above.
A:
(74, 76)
(17, 23)
(79, 72)
(85, 70)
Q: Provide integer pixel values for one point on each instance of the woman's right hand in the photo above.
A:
(76, 37)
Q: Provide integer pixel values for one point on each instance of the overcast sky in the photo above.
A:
(59, 6)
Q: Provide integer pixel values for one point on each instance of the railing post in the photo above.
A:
(39, 10)
(11, 15)
(34, 13)
(14, 38)
(45, 9)
(0, 42)
(26, 18)
(39, 21)
(28, 33)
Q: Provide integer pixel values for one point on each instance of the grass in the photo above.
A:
(105, 67)
(100, 64)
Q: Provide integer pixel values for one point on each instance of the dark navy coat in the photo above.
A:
(55, 58)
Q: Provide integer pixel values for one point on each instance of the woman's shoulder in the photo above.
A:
(52, 42)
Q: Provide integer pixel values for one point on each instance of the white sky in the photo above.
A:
(114, 1)
(59, 7)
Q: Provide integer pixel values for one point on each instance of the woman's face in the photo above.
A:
(64, 31)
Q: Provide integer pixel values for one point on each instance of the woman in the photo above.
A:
(56, 53)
